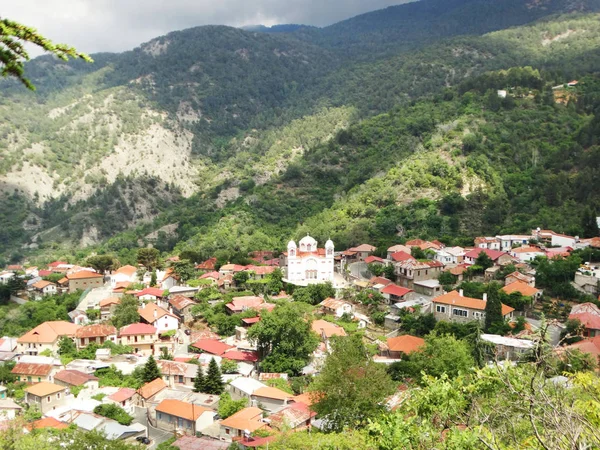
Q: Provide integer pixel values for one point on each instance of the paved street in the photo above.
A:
(92, 299)
(155, 435)
(359, 270)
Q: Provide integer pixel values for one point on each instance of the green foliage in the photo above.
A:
(111, 376)
(184, 269)
(213, 382)
(281, 384)
(6, 376)
(114, 412)
(126, 312)
(284, 339)
(313, 294)
(151, 371)
(101, 263)
(229, 366)
(199, 380)
(167, 445)
(494, 320)
(149, 258)
(351, 387)
(555, 275)
(228, 407)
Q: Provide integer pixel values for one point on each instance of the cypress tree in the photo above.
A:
(213, 383)
(199, 380)
(493, 308)
(151, 371)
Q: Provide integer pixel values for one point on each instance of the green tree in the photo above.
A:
(417, 253)
(351, 388)
(228, 406)
(151, 371)
(149, 258)
(13, 39)
(101, 263)
(229, 366)
(66, 346)
(6, 375)
(153, 278)
(589, 223)
(240, 278)
(484, 261)
(199, 380)
(213, 382)
(314, 294)
(494, 320)
(447, 280)
(126, 312)
(184, 269)
(114, 412)
(284, 339)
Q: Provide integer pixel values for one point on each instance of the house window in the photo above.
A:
(29, 379)
(181, 378)
(159, 415)
(227, 430)
(48, 399)
(58, 396)
(39, 379)
(460, 312)
(440, 309)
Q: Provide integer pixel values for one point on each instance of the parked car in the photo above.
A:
(143, 440)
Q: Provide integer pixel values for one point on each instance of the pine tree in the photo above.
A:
(589, 224)
(213, 383)
(151, 371)
(153, 279)
(199, 381)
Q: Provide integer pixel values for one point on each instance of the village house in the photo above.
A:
(240, 304)
(526, 254)
(590, 345)
(403, 345)
(76, 378)
(363, 251)
(160, 318)
(450, 255)
(141, 337)
(45, 396)
(248, 420)
(524, 289)
(9, 409)
(43, 288)
(125, 398)
(177, 373)
(270, 398)
(429, 288)
(182, 417)
(107, 307)
(394, 293)
(150, 294)
(509, 241)
(45, 337)
(212, 346)
(326, 330)
(454, 307)
(297, 416)
(411, 270)
(490, 243)
(33, 373)
(498, 257)
(244, 387)
(307, 264)
(589, 316)
(84, 279)
(96, 334)
(508, 348)
(336, 307)
(208, 265)
(168, 280)
(147, 392)
(182, 307)
(518, 276)
(397, 249)
(123, 274)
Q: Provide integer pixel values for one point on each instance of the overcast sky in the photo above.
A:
(117, 25)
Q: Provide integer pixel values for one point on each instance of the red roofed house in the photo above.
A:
(374, 259)
(589, 316)
(33, 373)
(336, 307)
(108, 306)
(124, 397)
(75, 378)
(272, 399)
(363, 251)
(401, 256)
(590, 345)
(236, 355)
(246, 420)
(454, 307)
(123, 274)
(148, 391)
(160, 318)
(182, 307)
(142, 337)
(212, 346)
(296, 416)
(518, 276)
(183, 418)
(395, 294)
(404, 345)
(43, 287)
(84, 279)
(208, 265)
(150, 294)
(379, 282)
(498, 257)
(397, 249)
(411, 270)
(524, 289)
(239, 304)
(97, 333)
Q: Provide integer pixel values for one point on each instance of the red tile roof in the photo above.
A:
(147, 312)
(212, 346)
(180, 302)
(379, 280)
(84, 274)
(151, 389)
(214, 275)
(395, 290)
(209, 264)
(47, 422)
(372, 259)
(588, 320)
(405, 344)
(453, 298)
(32, 369)
(271, 392)
(122, 394)
(236, 355)
(137, 329)
(521, 287)
(251, 320)
(591, 346)
(42, 284)
(493, 254)
(44, 273)
(74, 377)
(96, 330)
(401, 256)
(109, 301)
(239, 304)
(155, 292)
(181, 409)
(363, 248)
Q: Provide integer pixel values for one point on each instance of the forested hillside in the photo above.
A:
(231, 140)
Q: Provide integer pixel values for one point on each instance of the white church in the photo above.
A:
(308, 264)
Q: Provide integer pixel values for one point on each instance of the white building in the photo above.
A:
(507, 242)
(308, 264)
(125, 274)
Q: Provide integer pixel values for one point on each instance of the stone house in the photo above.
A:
(454, 307)
(45, 396)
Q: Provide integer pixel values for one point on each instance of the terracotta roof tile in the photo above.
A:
(395, 290)
(236, 355)
(521, 287)
(181, 409)
(42, 284)
(109, 301)
(95, 330)
(32, 369)
(180, 302)
(405, 344)
(126, 270)
(42, 389)
(156, 292)
(47, 422)
(49, 332)
(151, 389)
(271, 392)
(454, 299)
(74, 377)
(212, 346)
(246, 419)
(147, 313)
(84, 274)
(402, 256)
(136, 329)
(329, 329)
(122, 394)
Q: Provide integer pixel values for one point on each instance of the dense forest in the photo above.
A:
(266, 134)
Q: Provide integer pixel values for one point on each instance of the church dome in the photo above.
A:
(329, 244)
(308, 244)
(291, 244)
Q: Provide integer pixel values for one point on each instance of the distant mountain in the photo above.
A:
(283, 28)
(173, 133)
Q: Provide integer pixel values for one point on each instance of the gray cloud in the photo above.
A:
(118, 25)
